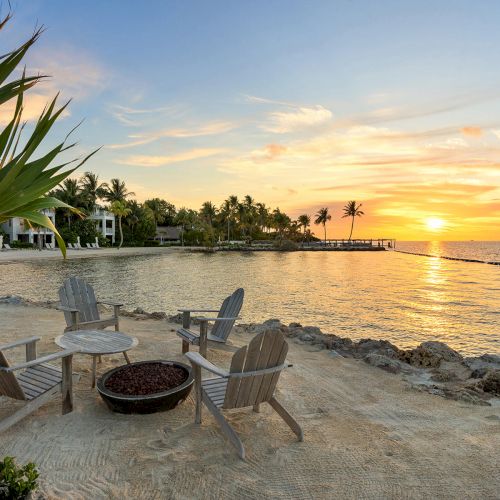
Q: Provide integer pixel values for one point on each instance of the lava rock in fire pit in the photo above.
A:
(146, 386)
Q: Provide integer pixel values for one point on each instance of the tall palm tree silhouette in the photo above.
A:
(351, 210)
(322, 217)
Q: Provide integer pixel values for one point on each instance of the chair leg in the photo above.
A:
(94, 369)
(100, 359)
(125, 355)
(185, 346)
(197, 395)
(226, 428)
(256, 408)
(67, 384)
(289, 420)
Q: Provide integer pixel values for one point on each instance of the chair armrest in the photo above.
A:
(199, 360)
(203, 318)
(43, 359)
(199, 310)
(67, 309)
(110, 303)
(28, 340)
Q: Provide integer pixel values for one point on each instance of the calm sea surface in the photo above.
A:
(402, 298)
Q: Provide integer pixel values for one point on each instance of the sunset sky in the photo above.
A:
(300, 104)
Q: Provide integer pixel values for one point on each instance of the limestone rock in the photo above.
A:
(491, 382)
(385, 363)
(430, 355)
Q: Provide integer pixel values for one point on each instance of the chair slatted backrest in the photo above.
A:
(266, 350)
(9, 385)
(78, 294)
(230, 308)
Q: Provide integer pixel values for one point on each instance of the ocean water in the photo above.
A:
(487, 251)
(403, 298)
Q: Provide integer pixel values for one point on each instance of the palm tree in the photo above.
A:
(119, 209)
(69, 192)
(91, 190)
(24, 180)
(281, 223)
(262, 216)
(305, 221)
(351, 210)
(116, 191)
(322, 217)
(208, 211)
(156, 207)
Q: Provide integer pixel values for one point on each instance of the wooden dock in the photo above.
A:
(358, 244)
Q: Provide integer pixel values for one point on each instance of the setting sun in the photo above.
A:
(434, 224)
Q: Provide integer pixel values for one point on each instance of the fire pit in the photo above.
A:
(146, 386)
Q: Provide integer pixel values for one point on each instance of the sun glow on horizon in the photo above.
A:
(434, 224)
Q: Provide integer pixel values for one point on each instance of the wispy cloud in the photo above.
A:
(282, 122)
(72, 73)
(76, 73)
(160, 161)
(212, 128)
(134, 116)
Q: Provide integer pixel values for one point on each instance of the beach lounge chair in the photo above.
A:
(223, 323)
(250, 381)
(79, 304)
(35, 381)
(89, 245)
(7, 246)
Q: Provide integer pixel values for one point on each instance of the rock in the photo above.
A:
(430, 355)
(158, 315)
(491, 382)
(11, 299)
(491, 358)
(294, 325)
(139, 310)
(312, 330)
(335, 354)
(382, 347)
(306, 337)
(387, 363)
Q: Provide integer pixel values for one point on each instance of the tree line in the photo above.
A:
(235, 219)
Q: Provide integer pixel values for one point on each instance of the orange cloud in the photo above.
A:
(472, 131)
(274, 150)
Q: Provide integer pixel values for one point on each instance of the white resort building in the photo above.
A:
(18, 229)
(105, 223)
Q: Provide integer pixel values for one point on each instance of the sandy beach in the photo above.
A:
(367, 433)
(19, 255)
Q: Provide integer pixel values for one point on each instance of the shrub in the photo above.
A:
(151, 243)
(22, 244)
(286, 245)
(17, 482)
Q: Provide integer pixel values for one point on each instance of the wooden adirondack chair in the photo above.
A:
(227, 315)
(251, 380)
(37, 381)
(79, 304)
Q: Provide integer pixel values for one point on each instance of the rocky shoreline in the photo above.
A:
(432, 366)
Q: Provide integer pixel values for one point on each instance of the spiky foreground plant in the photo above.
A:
(25, 181)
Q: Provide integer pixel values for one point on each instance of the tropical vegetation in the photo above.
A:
(137, 223)
(25, 179)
